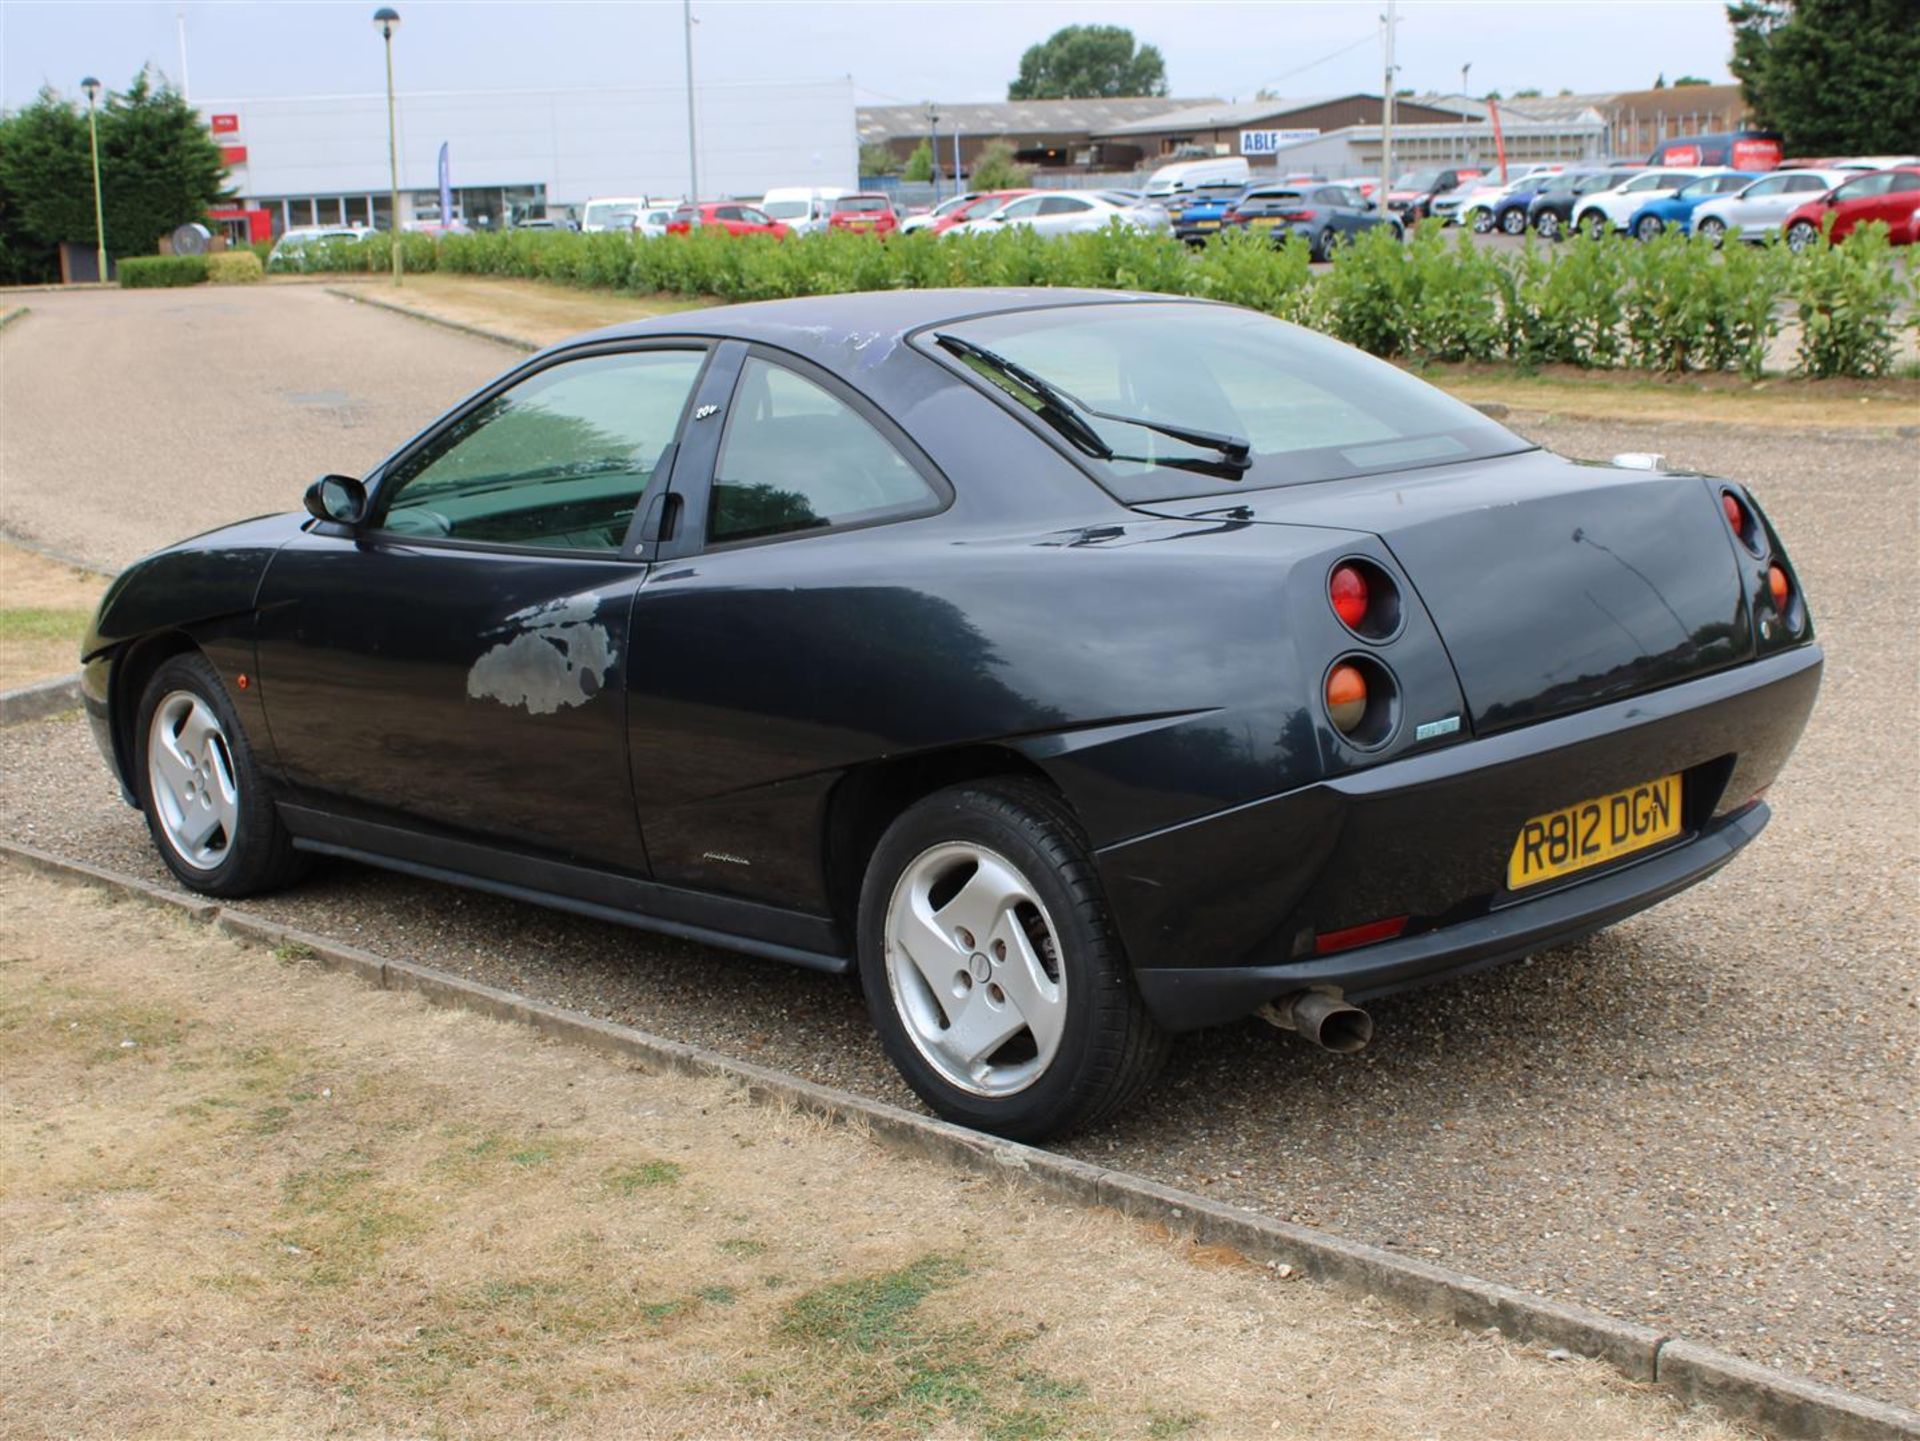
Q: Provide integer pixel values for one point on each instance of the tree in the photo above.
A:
(1089, 61)
(1833, 76)
(1691, 80)
(878, 159)
(159, 168)
(994, 168)
(1530, 93)
(920, 163)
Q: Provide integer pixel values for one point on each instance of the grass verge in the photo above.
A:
(44, 610)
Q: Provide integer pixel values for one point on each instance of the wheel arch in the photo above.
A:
(868, 798)
(132, 666)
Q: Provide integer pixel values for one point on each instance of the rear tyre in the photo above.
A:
(992, 968)
(1594, 225)
(206, 802)
(1547, 226)
(1713, 231)
(1800, 235)
(1481, 220)
(1649, 228)
(1514, 222)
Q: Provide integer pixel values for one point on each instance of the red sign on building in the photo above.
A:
(233, 155)
(226, 125)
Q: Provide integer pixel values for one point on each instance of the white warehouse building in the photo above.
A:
(322, 159)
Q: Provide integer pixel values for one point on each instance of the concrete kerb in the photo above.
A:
(1783, 1405)
(18, 312)
(39, 700)
(496, 336)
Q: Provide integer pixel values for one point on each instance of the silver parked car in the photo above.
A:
(1759, 210)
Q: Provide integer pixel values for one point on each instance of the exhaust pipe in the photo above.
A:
(1322, 1018)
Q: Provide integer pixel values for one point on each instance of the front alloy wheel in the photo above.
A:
(1514, 222)
(1649, 227)
(1595, 225)
(1482, 221)
(191, 782)
(1800, 235)
(992, 969)
(1548, 225)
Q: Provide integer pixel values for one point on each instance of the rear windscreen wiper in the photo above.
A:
(1066, 413)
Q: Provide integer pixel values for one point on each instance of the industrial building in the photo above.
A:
(322, 159)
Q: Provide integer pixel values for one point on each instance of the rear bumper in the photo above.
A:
(1219, 914)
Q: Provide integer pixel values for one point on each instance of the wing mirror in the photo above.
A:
(340, 499)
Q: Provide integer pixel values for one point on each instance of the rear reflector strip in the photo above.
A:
(1328, 942)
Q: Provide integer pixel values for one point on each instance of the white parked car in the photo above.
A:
(1183, 175)
(926, 219)
(1475, 203)
(1066, 212)
(289, 251)
(803, 209)
(652, 219)
(1600, 212)
(1759, 210)
(612, 212)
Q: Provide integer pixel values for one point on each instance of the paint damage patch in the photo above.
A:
(558, 656)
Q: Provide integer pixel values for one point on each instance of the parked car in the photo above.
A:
(1183, 175)
(926, 219)
(1759, 211)
(803, 209)
(976, 205)
(729, 215)
(654, 218)
(1476, 203)
(1550, 211)
(546, 222)
(1199, 213)
(1073, 667)
(1602, 211)
(612, 212)
(1888, 196)
(1065, 212)
(289, 251)
(1652, 217)
(1325, 217)
(870, 214)
(1411, 195)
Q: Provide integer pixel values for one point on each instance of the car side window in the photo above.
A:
(1023, 209)
(795, 457)
(1062, 205)
(1799, 184)
(558, 461)
(1865, 187)
(1904, 181)
(752, 216)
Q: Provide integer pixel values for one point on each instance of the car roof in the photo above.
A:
(850, 334)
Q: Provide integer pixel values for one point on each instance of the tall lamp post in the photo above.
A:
(387, 20)
(92, 87)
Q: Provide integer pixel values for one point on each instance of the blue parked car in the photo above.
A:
(1677, 209)
(1197, 214)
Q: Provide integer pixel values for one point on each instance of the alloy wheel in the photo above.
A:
(974, 969)
(1482, 221)
(1548, 225)
(1715, 232)
(1800, 235)
(1649, 227)
(1514, 222)
(190, 780)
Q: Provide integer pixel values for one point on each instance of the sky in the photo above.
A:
(896, 50)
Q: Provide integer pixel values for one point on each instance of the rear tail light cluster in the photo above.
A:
(1361, 698)
(1743, 522)
(1780, 588)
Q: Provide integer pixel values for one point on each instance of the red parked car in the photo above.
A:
(730, 216)
(1889, 196)
(864, 212)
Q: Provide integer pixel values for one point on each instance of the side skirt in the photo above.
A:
(759, 930)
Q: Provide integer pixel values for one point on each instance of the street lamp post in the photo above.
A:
(92, 87)
(387, 20)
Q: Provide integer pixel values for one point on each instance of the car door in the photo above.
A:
(1020, 212)
(1763, 202)
(461, 659)
(1060, 214)
(783, 636)
(1857, 201)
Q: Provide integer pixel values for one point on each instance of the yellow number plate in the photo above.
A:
(1594, 832)
(1266, 220)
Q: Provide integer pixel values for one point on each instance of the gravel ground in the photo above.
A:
(1704, 1119)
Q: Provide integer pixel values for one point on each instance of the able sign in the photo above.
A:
(1266, 142)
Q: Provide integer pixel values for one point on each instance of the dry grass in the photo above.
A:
(44, 610)
(242, 1196)
(1784, 403)
(530, 310)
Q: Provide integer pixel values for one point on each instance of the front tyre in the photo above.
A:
(1481, 221)
(1714, 231)
(1513, 222)
(206, 802)
(992, 969)
(1801, 234)
(1548, 225)
(1649, 228)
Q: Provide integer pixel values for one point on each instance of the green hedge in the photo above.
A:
(142, 272)
(1673, 305)
(235, 267)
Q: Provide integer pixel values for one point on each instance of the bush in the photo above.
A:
(1673, 305)
(235, 267)
(145, 272)
(994, 168)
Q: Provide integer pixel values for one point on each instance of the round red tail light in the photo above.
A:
(1736, 513)
(1782, 591)
(1346, 697)
(1347, 590)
